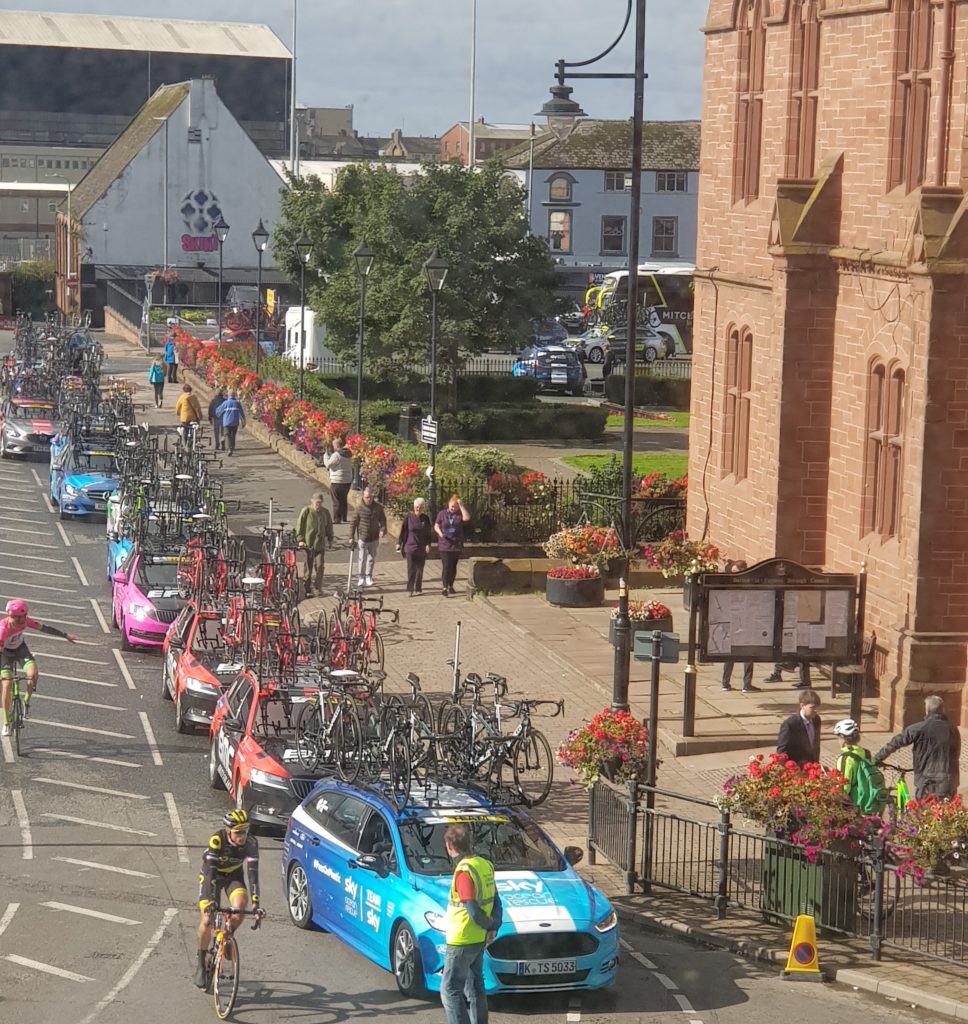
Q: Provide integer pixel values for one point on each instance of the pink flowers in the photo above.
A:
(573, 572)
(613, 743)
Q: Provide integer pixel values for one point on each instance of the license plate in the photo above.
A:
(559, 377)
(529, 967)
(100, 506)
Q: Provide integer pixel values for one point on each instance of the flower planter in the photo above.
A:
(642, 627)
(575, 593)
(826, 890)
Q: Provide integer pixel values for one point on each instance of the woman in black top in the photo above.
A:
(414, 542)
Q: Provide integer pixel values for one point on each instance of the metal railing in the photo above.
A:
(668, 369)
(854, 892)
(22, 250)
(125, 304)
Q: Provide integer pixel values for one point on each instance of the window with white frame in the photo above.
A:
(671, 181)
(559, 230)
(613, 236)
(665, 236)
(617, 181)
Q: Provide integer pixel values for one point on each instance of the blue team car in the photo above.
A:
(81, 481)
(379, 878)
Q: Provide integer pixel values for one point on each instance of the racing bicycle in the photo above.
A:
(17, 715)
(222, 959)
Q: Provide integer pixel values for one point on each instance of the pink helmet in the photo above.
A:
(17, 607)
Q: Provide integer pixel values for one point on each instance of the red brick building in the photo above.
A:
(830, 368)
(489, 140)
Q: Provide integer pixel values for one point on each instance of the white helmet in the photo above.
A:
(846, 727)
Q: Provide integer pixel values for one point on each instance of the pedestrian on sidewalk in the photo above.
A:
(217, 399)
(188, 410)
(738, 566)
(450, 541)
(314, 530)
(232, 416)
(369, 525)
(171, 359)
(414, 543)
(473, 917)
(156, 378)
(937, 750)
(339, 464)
(799, 737)
(776, 676)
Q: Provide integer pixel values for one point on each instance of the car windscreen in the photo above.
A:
(158, 576)
(32, 412)
(509, 843)
(94, 462)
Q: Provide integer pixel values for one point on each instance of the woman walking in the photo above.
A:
(217, 399)
(339, 465)
(450, 540)
(414, 542)
(156, 378)
(171, 359)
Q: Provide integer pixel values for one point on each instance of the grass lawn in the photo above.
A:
(672, 464)
(669, 419)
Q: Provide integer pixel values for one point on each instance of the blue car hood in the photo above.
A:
(79, 481)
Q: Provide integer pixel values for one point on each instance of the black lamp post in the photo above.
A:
(260, 239)
(221, 233)
(363, 255)
(436, 270)
(562, 112)
(304, 249)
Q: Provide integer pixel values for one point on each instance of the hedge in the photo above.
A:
(509, 423)
(672, 394)
(472, 389)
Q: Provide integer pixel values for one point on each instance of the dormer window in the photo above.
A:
(559, 188)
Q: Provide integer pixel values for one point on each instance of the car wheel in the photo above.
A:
(650, 354)
(60, 511)
(126, 644)
(298, 897)
(407, 963)
(214, 779)
(182, 724)
(3, 446)
(596, 355)
(114, 616)
(167, 690)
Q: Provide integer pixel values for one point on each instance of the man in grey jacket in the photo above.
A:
(937, 748)
(368, 526)
(339, 465)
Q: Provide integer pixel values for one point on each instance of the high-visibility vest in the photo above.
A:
(460, 928)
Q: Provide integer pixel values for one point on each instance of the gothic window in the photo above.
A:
(881, 500)
(911, 107)
(736, 418)
(804, 90)
(749, 105)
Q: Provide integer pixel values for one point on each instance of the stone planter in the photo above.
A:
(575, 593)
(642, 628)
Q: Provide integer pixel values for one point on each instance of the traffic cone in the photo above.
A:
(802, 962)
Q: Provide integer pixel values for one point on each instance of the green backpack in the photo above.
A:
(869, 790)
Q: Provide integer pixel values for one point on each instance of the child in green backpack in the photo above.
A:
(865, 783)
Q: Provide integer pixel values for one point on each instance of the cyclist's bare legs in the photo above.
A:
(32, 677)
(239, 900)
(7, 679)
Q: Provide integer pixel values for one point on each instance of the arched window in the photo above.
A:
(911, 107)
(736, 409)
(749, 103)
(804, 89)
(559, 188)
(881, 500)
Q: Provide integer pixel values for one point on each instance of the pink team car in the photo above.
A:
(146, 597)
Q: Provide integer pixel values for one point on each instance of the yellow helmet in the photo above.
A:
(236, 821)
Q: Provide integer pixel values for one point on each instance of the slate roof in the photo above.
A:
(607, 145)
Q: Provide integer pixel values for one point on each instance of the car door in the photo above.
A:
(379, 896)
(126, 568)
(238, 705)
(177, 643)
(345, 821)
(325, 861)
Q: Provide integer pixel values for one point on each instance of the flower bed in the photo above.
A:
(677, 555)
(613, 744)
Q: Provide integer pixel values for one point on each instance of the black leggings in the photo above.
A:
(340, 493)
(448, 567)
(159, 386)
(415, 570)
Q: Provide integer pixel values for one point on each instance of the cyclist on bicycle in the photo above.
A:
(229, 852)
(15, 655)
(865, 783)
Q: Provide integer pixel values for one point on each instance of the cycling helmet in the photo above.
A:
(846, 727)
(17, 607)
(236, 821)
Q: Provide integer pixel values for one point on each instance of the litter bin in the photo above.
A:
(410, 416)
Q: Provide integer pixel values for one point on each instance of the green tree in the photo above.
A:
(500, 276)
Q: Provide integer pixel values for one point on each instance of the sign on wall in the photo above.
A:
(201, 211)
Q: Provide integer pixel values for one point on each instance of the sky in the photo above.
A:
(406, 63)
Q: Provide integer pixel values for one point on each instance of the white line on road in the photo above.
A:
(123, 668)
(150, 737)
(92, 789)
(86, 757)
(80, 572)
(102, 867)
(665, 981)
(28, 544)
(83, 703)
(573, 1016)
(46, 968)
(69, 622)
(7, 750)
(64, 537)
(31, 572)
(637, 956)
(8, 916)
(78, 679)
(21, 519)
(100, 616)
(69, 657)
(83, 728)
(24, 822)
(46, 603)
(13, 529)
(129, 974)
(684, 1003)
(32, 586)
(99, 824)
(40, 483)
(84, 912)
(176, 827)
(32, 557)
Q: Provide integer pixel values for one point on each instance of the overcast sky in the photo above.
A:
(406, 63)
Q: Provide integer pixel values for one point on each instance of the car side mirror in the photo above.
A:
(177, 643)
(232, 722)
(574, 855)
(374, 862)
(120, 577)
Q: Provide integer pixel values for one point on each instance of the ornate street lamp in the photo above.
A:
(304, 250)
(260, 239)
(436, 271)
(221, 233)
(363, 255)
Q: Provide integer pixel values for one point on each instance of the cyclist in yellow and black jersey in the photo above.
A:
(230, 852)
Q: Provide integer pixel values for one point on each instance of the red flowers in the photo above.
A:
(573, 572)
(613, 743)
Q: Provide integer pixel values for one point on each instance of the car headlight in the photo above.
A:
(261, 778)
(607, 923)
(436, 921)
(14, 428)
(139, 611)
(71, 492)
(197, 686)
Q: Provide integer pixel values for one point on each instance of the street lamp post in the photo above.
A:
(562, 113)
(363, 255)
(436, 270)
(304, 249)
(70, 246)
(221, 233)
(260, 239)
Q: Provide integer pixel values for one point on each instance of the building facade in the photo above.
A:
(489, 140)
(830, 366)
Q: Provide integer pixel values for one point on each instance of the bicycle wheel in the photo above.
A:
(225, 976)
(400, 768)
(453, 752)
(17, 709)
(374, 652)
(421, 730)
(347, 741)
(309, 746)
(533, 768)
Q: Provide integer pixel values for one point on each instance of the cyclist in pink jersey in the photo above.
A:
(15, 654)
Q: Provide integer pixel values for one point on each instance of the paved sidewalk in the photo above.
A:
(556, 653)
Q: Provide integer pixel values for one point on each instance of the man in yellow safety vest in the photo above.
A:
(473, 918)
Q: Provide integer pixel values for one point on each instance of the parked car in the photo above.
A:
(554, 367)
(243, 336)
(650, 345)
(574, 319)
(379, 879)
(27, 425)
(83, 482)
(592, 346)
(146, 598)
(547, 332)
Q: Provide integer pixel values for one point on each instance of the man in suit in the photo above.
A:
(799, 737)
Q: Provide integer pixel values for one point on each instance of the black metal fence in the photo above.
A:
(125, 304)
(668, 369)
(848, 892)
(474, 366)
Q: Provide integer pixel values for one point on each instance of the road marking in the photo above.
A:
(99, 824)
(176, 827)
(684, 1003)
(46, 968)
(64, 537)
(13, 529)
(8, 916)
(7, 749)
(99, 914)
(69, 622)
(637, 956)
(83, 728)
(84, 703)
(87, 757)
(33, 558)
(24, 821)
(32, 586)
(150, 736)
(70, 657)
(99, 615)
(21, 519)
(92, 789)
(129, 974)
(124, 668)
(80, 572)
(29, 544)
(31, 572)
(573, 1016)
(101, 867)
(40, 482)
(45, 602)
(78, 679)
(51, 507)
(665, 981)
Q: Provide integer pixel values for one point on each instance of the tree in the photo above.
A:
(500, 276)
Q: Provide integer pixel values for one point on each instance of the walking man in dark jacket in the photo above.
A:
(314, 530)
(368, 526)
(232, 416)
(937, 748)
(799, 737)
(217, 399)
